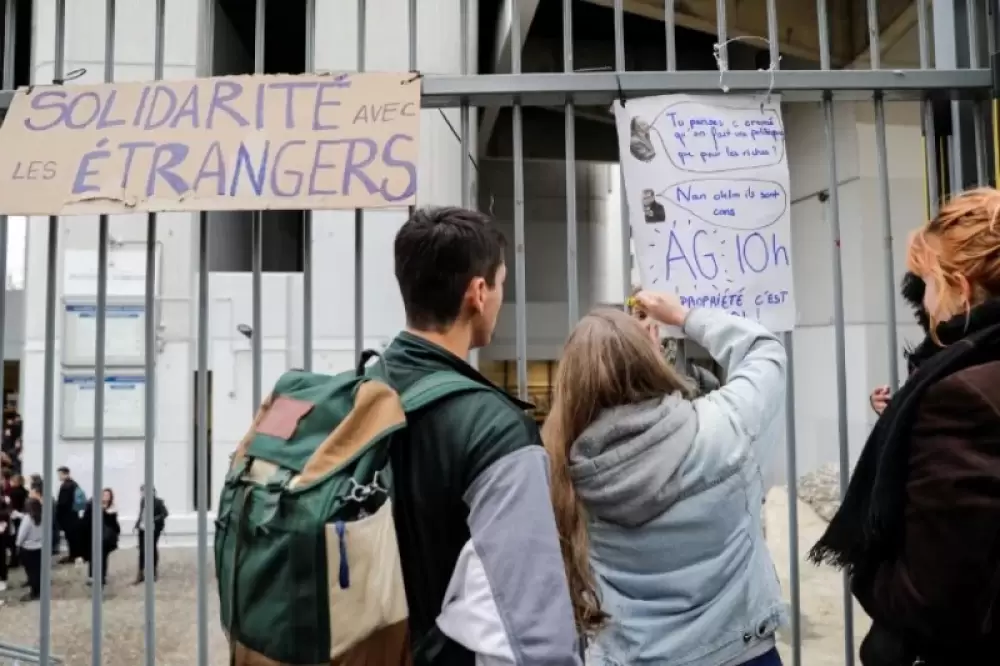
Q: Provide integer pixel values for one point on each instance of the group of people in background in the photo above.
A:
(22, 528)
(630, 529)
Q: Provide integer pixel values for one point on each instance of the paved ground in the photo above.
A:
(822, 588)
(124, 614)
(176, 631)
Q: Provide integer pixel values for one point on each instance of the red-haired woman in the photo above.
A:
(919, 528)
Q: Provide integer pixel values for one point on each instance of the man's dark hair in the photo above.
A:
(63, 470)
(438, 252)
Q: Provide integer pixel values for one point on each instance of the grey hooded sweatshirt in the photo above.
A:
(673, 491)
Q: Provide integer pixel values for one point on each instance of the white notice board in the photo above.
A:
(706, 179)
(124, 405)
(124, 335)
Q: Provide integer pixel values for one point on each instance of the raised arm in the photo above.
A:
(753, 390)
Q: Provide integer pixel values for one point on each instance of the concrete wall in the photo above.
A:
(13, 325)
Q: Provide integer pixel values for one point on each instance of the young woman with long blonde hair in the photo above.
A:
(919, 528)
(658, 494)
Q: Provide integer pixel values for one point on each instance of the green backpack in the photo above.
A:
(306, 558)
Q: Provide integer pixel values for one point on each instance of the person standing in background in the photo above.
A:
(160, 514)
(17, 497)
(6, 542)
(109, 535)
(29, 546)
(69, 503)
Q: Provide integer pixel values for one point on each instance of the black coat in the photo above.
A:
(160, 514)
(112, 530)
(65, 501)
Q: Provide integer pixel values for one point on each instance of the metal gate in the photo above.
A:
(959, 89)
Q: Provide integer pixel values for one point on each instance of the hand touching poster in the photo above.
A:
(707, 186)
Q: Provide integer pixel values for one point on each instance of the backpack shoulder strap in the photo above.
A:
(437, 386)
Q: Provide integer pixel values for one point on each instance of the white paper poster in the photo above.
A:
(707, 185)
(124, 406)
(125, 335)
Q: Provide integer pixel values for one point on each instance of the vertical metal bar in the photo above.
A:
(572, 261)
(149, 448)
(520, 289)
(359, 216)
(927, 116)
(100, 359)
(202, 388)
(307, 216)
(791, 465)
(257, 241)
(874, 36)
(838, 308)
(946, 56)
(992, 14)
(792, 471)
(411, 12)
(773, 51)
(979, 134)
(9, 53)
(464, 118)
(670, 26)
(619, 12)
(722, 35)
(882, 162)
(202, 443)
(626, 228)
(9, 44)
(841, 364)
(978, 123)
(49, 391)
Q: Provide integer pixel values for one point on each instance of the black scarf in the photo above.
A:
(866, 529)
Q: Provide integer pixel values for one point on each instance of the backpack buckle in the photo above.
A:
(360, 492)
(278, 482)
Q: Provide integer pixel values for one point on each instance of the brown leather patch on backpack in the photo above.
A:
(282, 417)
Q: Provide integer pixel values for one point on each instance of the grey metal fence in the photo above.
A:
(961, 87)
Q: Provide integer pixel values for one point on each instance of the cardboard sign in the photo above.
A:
(226, 143)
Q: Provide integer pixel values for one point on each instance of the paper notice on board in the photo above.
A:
(291, 142)
(707, 185)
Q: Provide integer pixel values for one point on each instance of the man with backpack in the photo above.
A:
(474, 519)
(399, 512)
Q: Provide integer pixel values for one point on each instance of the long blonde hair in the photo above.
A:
(962, 243)
(608, 361)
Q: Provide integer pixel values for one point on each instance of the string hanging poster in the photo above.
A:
(707, 185)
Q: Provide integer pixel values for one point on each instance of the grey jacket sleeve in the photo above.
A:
(514, 534)
(753, 391)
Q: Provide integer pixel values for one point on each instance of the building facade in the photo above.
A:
(599, 218)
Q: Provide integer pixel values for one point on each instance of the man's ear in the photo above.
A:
(475, 295)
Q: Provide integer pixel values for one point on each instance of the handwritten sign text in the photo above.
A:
(707, 186)
(230, 143)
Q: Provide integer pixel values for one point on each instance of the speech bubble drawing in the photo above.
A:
(700, 138)
(741, 204)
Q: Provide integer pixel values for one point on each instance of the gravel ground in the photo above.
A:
(124, 613)
(821, 587)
